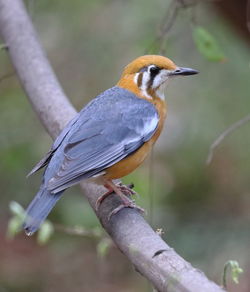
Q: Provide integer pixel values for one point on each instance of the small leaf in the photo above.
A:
(17, 210)
(103, 247)
(236, 270)
(14, 227)
(45, 232)
(207, 45)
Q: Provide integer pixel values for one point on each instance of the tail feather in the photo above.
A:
(39, 209)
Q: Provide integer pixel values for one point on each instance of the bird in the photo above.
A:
(109, 138)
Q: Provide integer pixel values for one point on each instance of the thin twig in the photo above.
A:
(165, 26)
(79, 231)
(169, 20)
(224, 134)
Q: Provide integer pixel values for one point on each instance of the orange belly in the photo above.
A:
(130, 163)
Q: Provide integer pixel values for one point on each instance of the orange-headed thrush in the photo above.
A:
(109, 137)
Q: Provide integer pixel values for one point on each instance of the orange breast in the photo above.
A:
(130, 163)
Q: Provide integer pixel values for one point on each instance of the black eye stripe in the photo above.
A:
(154, 70)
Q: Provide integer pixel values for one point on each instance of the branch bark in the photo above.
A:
(146, 250)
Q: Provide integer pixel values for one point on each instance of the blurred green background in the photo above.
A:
(203, 210)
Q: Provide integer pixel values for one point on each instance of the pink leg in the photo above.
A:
(122, 191)
(103, 197)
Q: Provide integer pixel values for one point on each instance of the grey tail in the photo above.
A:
(39, 209)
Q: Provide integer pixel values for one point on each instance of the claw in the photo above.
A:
(101, 199)
(131, 205)
(124, 192)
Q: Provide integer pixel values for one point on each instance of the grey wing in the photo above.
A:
(46, 159)
(109, 129)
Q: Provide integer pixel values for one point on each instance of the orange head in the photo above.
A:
(147, 75)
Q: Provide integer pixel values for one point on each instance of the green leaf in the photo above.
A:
(45, 232)
(15, 223)
(103, 247)
(207, 45)
(17, 210)
(14, 227)
(236, 270)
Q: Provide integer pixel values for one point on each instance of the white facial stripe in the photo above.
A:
(160, 78)
(144, 85)
(136, 78)
(151, 66)
(158, 82)
(145, 79)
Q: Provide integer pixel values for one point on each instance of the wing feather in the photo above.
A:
(110, 128)
(46, 159)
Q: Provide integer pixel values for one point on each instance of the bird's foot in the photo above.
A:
(123, 191)
(126, 203)
(127, 189)
(102, 198)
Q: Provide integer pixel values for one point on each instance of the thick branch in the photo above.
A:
(33, 69)
(151, 256)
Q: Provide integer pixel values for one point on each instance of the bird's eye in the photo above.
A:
(154, 70)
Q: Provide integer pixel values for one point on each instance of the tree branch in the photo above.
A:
(150, 255)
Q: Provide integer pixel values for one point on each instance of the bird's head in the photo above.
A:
(147, 75)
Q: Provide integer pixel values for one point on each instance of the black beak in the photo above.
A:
(183, 71)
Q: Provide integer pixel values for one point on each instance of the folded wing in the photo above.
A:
(108, 129)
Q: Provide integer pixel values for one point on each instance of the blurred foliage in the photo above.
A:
(16, 221)
(203, 211)
(235, 272)
(103, 247)
(207, 45)
(44, 233)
